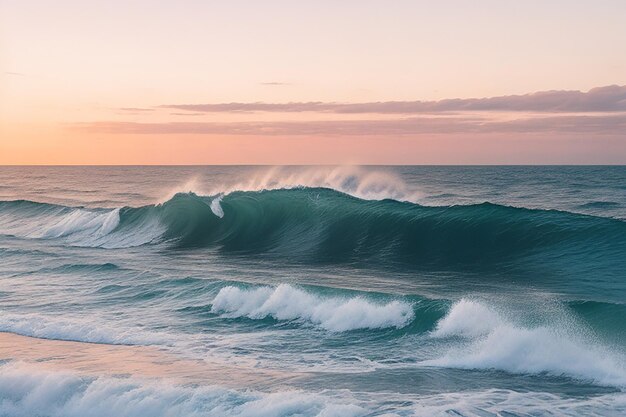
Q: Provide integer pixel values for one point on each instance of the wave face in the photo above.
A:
(323, 225)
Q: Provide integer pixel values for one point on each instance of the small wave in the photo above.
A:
(76, 329)
(331, 313)
(104, 267)
(493, 341)
(600, 205)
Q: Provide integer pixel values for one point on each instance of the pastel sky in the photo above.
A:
(312, 82)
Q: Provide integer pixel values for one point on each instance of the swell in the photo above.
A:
(318, 225)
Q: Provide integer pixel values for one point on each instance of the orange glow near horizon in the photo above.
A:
(102, 83)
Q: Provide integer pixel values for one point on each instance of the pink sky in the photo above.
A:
(283, 82)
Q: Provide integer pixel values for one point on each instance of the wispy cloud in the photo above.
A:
(596, 125)
(275, 83)
(602, 99)
(136, 109)
(17, 74)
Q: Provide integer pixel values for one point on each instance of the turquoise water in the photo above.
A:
(394, 290)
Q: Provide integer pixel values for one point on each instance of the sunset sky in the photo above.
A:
(308, 82)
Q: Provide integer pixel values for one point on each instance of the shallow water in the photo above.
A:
(386, 290)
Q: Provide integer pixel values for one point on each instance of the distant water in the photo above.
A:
(472, 291)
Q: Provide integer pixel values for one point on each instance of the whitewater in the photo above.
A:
(334, 291)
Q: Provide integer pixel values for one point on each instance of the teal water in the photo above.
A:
(395, 290)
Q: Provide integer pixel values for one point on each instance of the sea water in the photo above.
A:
(473, 291)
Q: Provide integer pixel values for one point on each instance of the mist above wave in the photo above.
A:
(360, 182)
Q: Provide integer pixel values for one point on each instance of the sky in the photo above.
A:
(312, 82)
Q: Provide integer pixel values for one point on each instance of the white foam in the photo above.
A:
(500, 402)
(81, 222)
(81, 329)
(467, 318)
(81, 227)
(494, 342)
(216, 208)
(331, 313)
(27, 391)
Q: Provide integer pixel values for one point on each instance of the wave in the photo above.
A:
(323, 225)
(600, 205)
(331, 313)
(75, 226)
(30, 391)
(491, 339)
(77, 329)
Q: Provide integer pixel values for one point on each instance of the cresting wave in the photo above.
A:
(323, 225)
(331, 313)
(491, 339)
(358, 182)
(466, 334)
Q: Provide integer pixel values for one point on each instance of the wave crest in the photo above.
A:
(320, 225)
(332, 313)
(366, 184)
(493, 341)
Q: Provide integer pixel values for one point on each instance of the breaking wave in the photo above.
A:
(492, 340)
(324, 225)
(30, 391)
(331, 313)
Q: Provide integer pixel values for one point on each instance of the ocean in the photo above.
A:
(313, 291)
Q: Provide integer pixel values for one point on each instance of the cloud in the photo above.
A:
(17, 74)
(593, 125)
(601, 99)
(275, 83)
(136, 109)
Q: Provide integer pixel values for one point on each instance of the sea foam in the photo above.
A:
(80, 329)
(491, 340)
(286, 302)
(27, 391)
